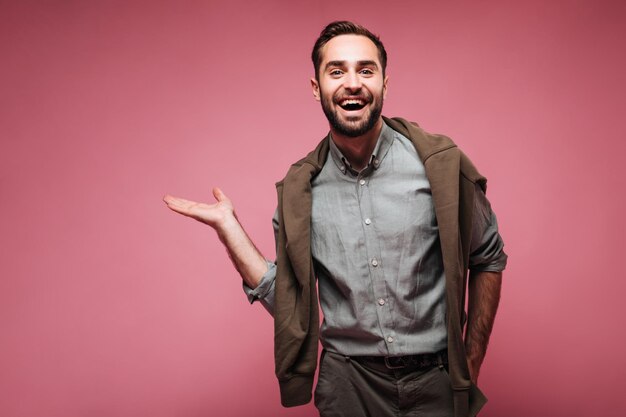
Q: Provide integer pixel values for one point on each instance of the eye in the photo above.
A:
(336, 72)
(367, 71)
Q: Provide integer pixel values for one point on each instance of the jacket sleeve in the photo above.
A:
(296, 317)
(486, 247)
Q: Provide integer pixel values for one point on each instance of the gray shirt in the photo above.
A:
(376, 252)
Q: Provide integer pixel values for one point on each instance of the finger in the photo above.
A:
(171, 200)
(179, 205)
(182, 210)
(167, 198)
(219, 194)
(179, 209)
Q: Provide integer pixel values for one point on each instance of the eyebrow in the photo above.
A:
(364, 63)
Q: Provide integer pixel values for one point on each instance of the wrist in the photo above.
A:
(226, 225)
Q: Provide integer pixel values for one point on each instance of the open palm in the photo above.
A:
(211, 214)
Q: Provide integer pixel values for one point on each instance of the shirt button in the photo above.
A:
(342, 168)
(381, 302)
(362, 182)
(374, 262)
(376, 162)
(368, 221)
(390, 339)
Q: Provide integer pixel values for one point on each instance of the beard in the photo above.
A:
(353, 128)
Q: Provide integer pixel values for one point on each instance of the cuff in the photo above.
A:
(495, 265)
(296, 390)
(265, 285)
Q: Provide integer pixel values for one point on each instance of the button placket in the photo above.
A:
(377, 276)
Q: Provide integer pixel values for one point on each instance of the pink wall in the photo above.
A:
(111, 305)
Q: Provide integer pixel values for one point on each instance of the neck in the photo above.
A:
(358, 150)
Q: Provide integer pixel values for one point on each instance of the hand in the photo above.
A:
(247, 259)
(215, 215)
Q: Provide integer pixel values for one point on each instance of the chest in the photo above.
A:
(391, 206)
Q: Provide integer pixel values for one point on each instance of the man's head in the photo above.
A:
(344, 27)
(350, 78)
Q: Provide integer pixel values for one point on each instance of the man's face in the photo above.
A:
(351, 85)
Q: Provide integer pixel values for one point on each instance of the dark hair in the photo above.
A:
(345, 27)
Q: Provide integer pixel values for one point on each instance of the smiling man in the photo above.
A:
(354, 87)
(393, 225)
(351, 85)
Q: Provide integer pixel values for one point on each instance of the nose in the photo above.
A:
(352, 81)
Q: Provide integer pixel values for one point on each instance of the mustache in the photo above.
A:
(364, 97)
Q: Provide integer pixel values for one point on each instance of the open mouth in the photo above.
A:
(352, 104)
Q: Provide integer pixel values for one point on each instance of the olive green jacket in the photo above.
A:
(452, 179)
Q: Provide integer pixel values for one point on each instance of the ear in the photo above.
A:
(316, 88)
(385, 86)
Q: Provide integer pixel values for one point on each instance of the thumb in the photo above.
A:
(219, 195)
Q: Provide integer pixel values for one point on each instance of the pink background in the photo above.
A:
(111, 305)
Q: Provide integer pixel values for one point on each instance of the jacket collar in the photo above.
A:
(426, 144)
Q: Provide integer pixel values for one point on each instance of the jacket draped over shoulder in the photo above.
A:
(452, 178)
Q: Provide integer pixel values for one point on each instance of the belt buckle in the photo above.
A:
(391, 366)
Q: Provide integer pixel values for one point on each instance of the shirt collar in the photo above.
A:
(383, 143)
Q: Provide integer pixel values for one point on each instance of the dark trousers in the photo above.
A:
(350, 387)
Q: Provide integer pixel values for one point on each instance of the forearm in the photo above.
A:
(246, 258)
(221, 216)
(484, 296)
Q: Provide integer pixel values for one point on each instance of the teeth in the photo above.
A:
(347, 102)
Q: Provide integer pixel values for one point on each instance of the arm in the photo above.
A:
(246, 258)
(483, 299)
(487, 261)
(265, 291)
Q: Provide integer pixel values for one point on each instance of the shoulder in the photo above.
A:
(426, 143)
(432, 147)
(471, 173)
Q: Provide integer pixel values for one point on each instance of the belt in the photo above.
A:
(424, 360)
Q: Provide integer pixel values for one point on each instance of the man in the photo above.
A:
(388, 219)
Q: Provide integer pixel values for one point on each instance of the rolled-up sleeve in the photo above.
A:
(487, 248)
(264, 292)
